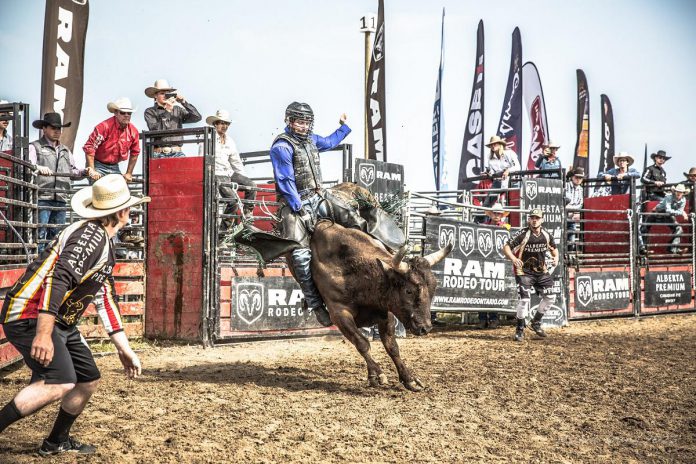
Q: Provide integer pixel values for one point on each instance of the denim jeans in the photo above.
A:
(104, 169)
(47, 216)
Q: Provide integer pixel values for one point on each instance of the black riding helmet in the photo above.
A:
(301, 111)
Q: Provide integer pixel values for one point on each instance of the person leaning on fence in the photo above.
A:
(41, 312)
(671, 206)
(497, 218)
(574, 197)
(229, 166)
(297, 172)
(549, 160)
(654, 178)
(5, 137)
(170, 111)
(527, 250)
(51, 157)
(619, 176)
(501, 163)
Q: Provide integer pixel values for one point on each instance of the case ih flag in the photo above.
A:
(62, 76)
(606, 159)
(376, 95)
(582, 146)
(510, 126)
(536, 111)
(439, 166)
(471, 163)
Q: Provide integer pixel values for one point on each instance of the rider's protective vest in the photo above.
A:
(305, 162)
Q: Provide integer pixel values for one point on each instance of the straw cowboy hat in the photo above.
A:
(497, 208)
(50, 119)
(159, 85)
(660, 153)
(108, 195)
(495, 139)
(551, 145)
(121, 104)
(220, 115)
(623, 154)
(681, 189)
(692, 172)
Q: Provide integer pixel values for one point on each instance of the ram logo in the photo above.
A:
(531, 189)
(445, 235)
(583, 287)
(466, 240)
(249, 302)
(484, 240)
(501, 238)
(367, 174)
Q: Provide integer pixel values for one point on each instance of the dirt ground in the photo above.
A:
(611, 391)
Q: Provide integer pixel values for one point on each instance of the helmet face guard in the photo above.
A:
(299, 112)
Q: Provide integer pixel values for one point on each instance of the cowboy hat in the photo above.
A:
(623, 154)
(660, 153)
(50, 119)
(495, 139)
(692, 172)
(576, 171)
(550, 144)
(681, 189)
(497, 208)
(108, 195)
(121, 104)
(220, 115)
(159, 85)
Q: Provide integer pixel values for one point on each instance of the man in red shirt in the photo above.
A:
(112, 141)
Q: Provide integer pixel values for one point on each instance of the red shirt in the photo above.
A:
(111, 144)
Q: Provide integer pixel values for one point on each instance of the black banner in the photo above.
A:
(602, 291)
(606, 159)
(663, 288)
(384, 180)
(62, 75)
(476, 275)
(471, 163)
(510, 125)
(582, 145)
(439, 166)
(268, 303)
(376, 95)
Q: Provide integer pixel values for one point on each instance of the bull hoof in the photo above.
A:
(378, 380)
(414, 385)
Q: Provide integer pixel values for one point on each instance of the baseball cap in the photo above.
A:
(536, 212)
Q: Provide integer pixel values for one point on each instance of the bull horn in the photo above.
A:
(437, 256)
(398, 259)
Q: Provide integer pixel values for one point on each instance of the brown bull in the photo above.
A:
(363, 284)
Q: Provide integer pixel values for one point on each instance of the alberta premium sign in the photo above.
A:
(664, 288)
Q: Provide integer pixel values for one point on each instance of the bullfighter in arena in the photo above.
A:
(41, 312)
(527, 250)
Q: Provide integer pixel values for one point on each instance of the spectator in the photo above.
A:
(655, 177)
(691, 176)
(527, 251)
(496, 217)
(549, 160)
(228, 165)
(41, 313)
(5, 137)
(500, 164)
(50, 158)
(619, 176)
(671, 206)
(170, 111)
(574, 201)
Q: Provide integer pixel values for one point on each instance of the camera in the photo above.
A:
(169, 95)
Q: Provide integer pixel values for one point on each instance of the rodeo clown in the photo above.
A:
(41, 312)
(527, 250)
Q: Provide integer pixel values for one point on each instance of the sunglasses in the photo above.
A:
(224, 123)
(124, 113)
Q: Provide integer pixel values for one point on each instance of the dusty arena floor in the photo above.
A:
(612, 391)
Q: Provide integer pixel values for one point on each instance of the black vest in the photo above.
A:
(305, 162)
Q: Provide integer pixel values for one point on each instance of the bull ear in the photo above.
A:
(398, 260)
(439, 255)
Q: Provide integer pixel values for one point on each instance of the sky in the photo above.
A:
(253, 58)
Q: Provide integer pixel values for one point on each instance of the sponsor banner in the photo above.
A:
(471, 163)
(602, 291)
(664, 288)
(582, 146)
(268, 303)
(476, 275)
(536, 111)
(510, 125)
(384, 180)
(62, 75)
(606, 157)
(376, 95)
(439, 162)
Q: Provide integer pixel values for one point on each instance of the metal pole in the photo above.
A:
(368, 27)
